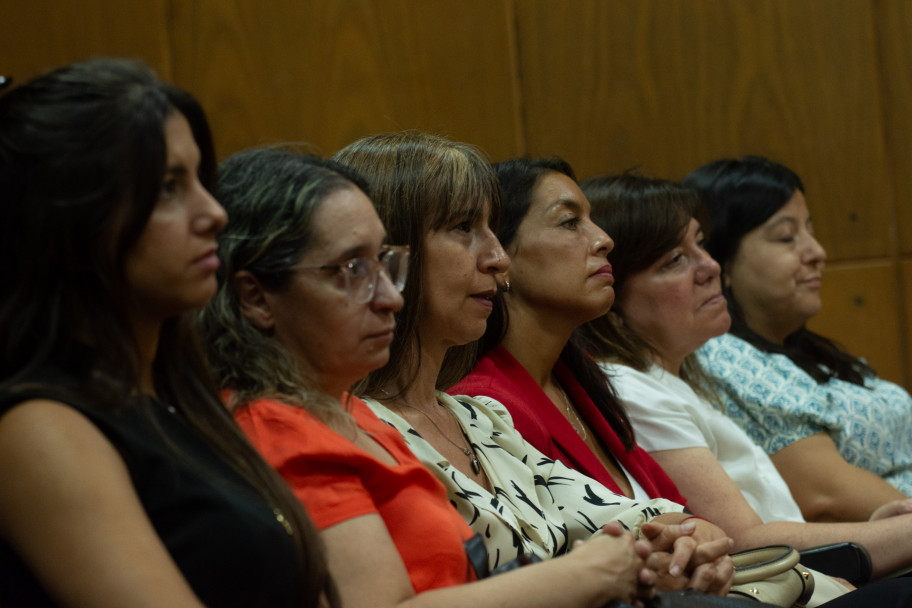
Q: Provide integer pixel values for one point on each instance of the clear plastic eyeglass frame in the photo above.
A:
(361, 275)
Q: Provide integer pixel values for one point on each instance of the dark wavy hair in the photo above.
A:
(741, 195)
(271, 195)
(420, 182)
(518, 178)
(82, 161)
(647, 217)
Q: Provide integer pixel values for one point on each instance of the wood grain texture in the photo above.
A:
(905, 316)
(328, 73)
(893, 24)
(860, 311)
(670, 85)
(38, 35)
(824, 86)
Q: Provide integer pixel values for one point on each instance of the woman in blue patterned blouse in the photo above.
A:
(840, 436)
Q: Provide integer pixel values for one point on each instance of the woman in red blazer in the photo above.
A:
(534, 364)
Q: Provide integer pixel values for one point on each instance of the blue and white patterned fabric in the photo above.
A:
(777, 403)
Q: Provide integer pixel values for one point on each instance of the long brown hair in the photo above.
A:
(646, 217)
(419, 183)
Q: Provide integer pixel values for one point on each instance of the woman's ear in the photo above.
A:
(252, 299)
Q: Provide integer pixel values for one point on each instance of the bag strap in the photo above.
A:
(763, 562)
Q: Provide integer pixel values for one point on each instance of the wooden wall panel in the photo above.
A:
(824, 86)
(894, 22)
(860, 311)
(42, 34)
(906, 316)
(330, 72)
(670, 85)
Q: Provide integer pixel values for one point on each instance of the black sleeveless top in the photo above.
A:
(223, 535)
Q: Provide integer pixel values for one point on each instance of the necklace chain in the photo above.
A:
(466, 449)
(581, 430)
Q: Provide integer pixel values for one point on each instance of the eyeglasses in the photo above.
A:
(361, 275)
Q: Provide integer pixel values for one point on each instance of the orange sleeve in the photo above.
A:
(306, 454)
(335, 481)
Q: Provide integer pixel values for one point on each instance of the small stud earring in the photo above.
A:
(506, 286)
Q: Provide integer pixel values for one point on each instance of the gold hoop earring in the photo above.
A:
(506, 286)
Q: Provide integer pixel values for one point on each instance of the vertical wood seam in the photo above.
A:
(902, 319)
(516, 79)
(167, 44)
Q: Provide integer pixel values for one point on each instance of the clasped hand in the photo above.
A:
(691, 555)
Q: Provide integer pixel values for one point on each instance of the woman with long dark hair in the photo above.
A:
(532, 358)
(125, 480)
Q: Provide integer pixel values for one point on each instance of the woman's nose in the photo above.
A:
(210, 216)
(493, 259)
(601, 243)
(386, 296)
(708, 268)
(814, 252)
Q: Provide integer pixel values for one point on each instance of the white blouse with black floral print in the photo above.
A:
(539, 506)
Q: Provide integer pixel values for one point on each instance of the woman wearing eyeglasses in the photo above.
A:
(304, 309)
